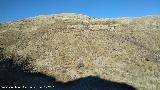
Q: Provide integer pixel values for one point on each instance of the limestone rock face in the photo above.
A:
(70, 46)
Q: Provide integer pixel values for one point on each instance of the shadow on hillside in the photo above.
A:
(13, 75)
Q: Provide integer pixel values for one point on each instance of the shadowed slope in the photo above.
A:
(12, 75)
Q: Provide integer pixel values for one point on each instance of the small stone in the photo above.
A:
(80, 65)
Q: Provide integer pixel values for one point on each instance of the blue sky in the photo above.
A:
(18, 9)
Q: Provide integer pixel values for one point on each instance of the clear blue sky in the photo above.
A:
(18, 9)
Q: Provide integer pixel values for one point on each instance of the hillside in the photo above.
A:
(70, 46)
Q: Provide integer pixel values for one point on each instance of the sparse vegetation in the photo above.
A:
(69, 46)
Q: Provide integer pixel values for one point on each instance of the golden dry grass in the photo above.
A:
(69, 46)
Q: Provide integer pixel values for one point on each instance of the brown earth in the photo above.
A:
(70, 46)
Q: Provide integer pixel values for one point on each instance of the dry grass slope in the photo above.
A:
(70, 46)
